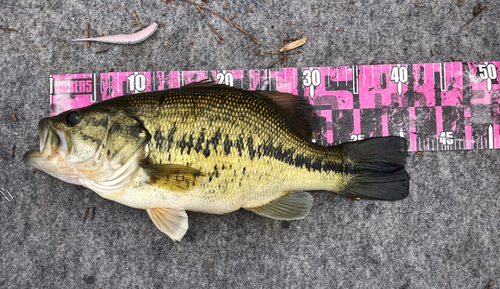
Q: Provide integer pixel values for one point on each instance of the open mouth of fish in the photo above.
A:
(53, 148)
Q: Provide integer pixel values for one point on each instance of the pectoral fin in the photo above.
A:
(292, 206)
(177, 178)
(173, 222)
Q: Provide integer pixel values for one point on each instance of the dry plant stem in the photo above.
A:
(220, 37)
(294, 44)
(331, 197)
(241, 29)
(135, 16)
(86, 213)
(284, 52)
(93, 213)
(10, 29)
(99, 51)
(474, 17)
(271, 66)
(88, 42)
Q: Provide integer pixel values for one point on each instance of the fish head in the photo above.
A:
(88, 144)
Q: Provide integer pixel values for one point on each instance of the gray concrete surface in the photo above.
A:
(445, 235)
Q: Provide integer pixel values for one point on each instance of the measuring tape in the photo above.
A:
(435, 106)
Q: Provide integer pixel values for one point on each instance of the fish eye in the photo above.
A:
(73, 118)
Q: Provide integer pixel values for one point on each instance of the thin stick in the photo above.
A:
(88, 42)
(99, 51)
(93, 213)
(249, 35)
(220, 37)
(474, 17)
(10, 29)
(13, 150)
(135, 16)
(271, 66)
(202, 11)
(333, 196)
(489, 285)
(284, 53)
(86, 213)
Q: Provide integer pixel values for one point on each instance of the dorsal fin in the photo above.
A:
(297, 112)
(206, 83)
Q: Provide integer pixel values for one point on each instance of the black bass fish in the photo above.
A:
(214, 149)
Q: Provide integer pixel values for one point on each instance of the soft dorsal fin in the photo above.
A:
(292, 206)
(297, 112)
(173, 222)
(176, 178)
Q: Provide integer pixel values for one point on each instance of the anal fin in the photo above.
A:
(292, 206)
(173, 222)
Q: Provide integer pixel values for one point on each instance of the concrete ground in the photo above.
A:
(444, 235)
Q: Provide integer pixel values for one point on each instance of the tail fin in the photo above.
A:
(379, 164)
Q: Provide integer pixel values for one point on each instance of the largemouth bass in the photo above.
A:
(214, 149)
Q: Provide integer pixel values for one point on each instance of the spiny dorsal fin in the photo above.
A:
(292, 206)
(173, 222)
(297, 112)
(176, 178)
(206, 83)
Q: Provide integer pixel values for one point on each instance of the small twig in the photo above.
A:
(13, 150)
(135, 16)
(220, 37)
(477, 14)
(201, 11)
(271, 66)
(93, 213)
(99, 51)
(284, 52)
(489, 285)
(453, 58)
(86, 213)
(460, 100)
(249, 35)
(10, 29)
(279, 53)
(333, 196)
(294, 44)
(88, 42)
(13, 116)
(232, 17)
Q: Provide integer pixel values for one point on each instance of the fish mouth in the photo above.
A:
(43, 131)
(53, 146)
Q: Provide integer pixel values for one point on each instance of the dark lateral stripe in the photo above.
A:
(246, 146)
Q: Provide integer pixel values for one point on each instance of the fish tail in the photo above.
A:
(379, 165)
